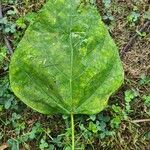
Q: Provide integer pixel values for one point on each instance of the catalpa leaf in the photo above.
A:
(66, 63)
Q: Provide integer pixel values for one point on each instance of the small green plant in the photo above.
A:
(66, 63)
(7, 99)
(108, 14)
(118, 115)
(147, 15)
(9, 26)
(2, 55)
(14, 144)
(107, 3)
(134, 16)
(146, 99)
(144, 80)
(6, 23)
(43, 144)
(23, 137)
(141, 34)
(129, 96)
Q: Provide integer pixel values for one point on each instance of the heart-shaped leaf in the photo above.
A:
(66, 62)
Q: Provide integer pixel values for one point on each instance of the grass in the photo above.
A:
(120, 126)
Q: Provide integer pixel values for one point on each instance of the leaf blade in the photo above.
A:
(66, 62)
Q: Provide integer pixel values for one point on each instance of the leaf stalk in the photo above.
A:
(72, 129)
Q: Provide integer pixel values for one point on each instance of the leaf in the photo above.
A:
(68, 148)
(3, 146)
(130, 95)
(8, 103)
(43, 144)
(92, 127)
(93, 117)
(14, 144)
(147, 15)
(1, 108)
(107, 3)
(66, 62)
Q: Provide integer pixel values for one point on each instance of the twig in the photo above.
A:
(5, 38)
(141, 120)
(131, 41)
(8, 45)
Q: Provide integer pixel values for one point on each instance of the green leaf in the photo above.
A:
(130, 95)
(14, 144)
(68, 148)
(8, 103)
(51, 147)
(43, 144)
(107, 3)
(133, 17)
(1, 108)
(145, 80)
(66, 62)
(92, 127)
(147, 15)
(21, 23)
(92, 117)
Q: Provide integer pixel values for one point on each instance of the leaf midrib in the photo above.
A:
(71, 59)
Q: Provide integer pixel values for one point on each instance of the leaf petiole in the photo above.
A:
(72, 129)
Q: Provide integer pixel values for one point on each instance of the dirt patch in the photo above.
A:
(137, 60)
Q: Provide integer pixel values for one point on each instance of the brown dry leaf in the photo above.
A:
(3, 146)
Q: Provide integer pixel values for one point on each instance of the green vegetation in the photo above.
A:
(123, 124)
